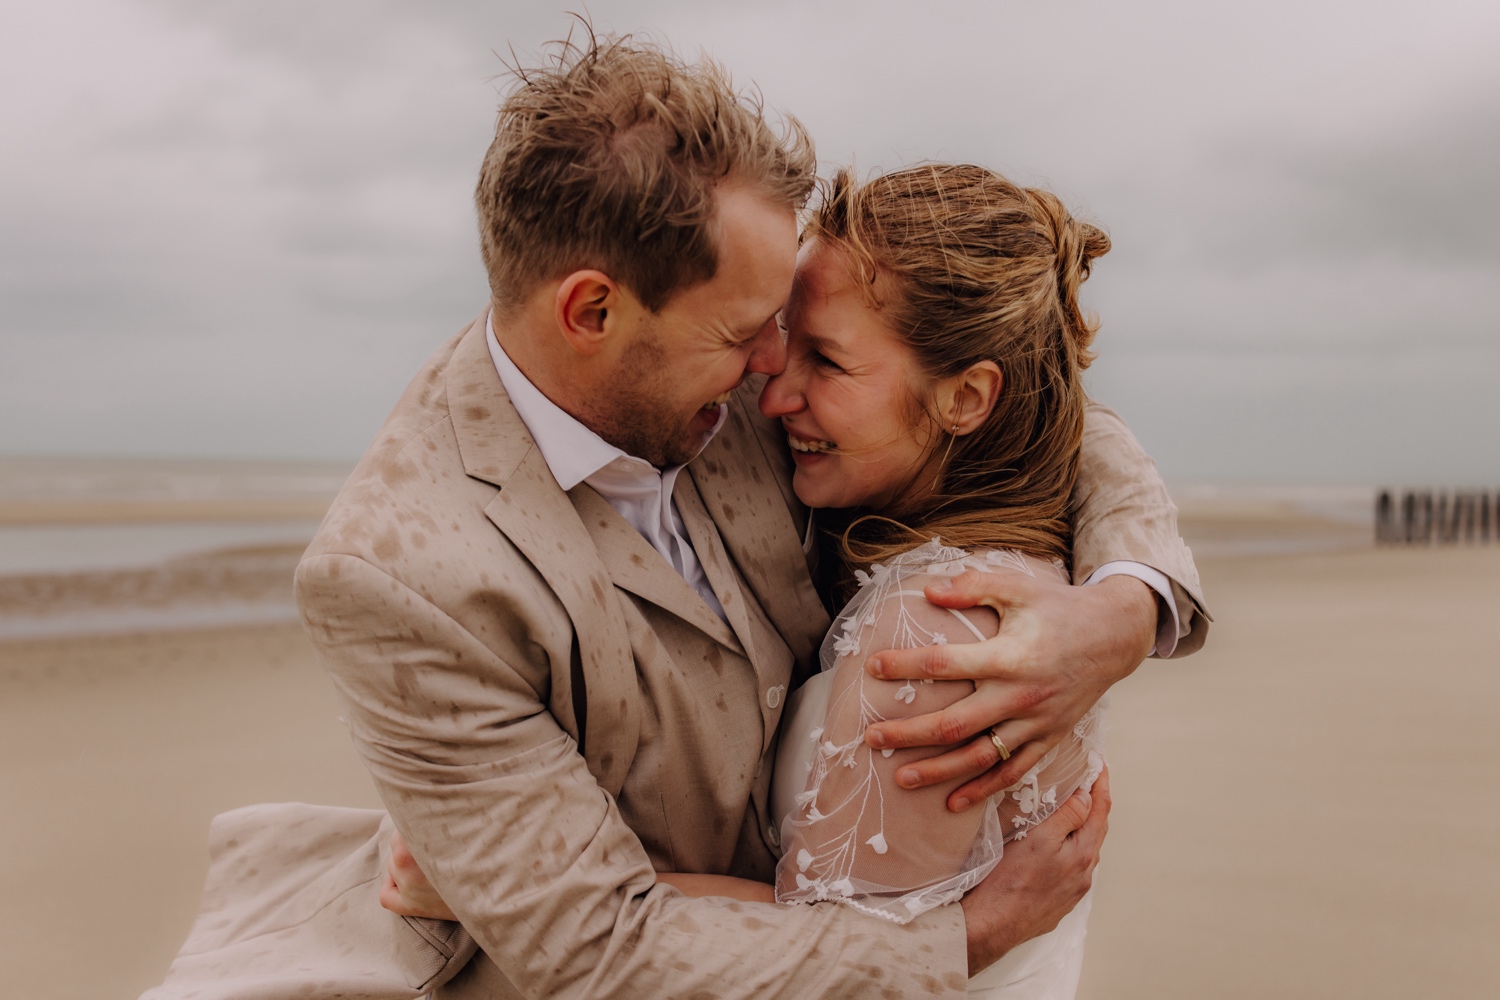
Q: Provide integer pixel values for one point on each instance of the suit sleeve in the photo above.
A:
(534, 857)
(1121, 512)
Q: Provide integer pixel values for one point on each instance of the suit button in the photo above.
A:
(773, 695)
(773, 835)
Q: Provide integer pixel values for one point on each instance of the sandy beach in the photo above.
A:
(1304, 809)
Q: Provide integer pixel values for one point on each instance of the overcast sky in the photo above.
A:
(235, 229)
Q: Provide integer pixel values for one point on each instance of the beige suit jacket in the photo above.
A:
(551, 714)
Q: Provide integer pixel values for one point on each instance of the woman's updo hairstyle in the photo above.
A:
(974, 268)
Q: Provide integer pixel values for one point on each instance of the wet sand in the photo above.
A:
(1304, 809)
(250, 584)
(107, 546)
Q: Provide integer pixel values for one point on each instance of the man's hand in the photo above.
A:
(407, 891)
(1042, 878)
(1058, 650)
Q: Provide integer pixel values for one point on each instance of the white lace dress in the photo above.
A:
(850, 834)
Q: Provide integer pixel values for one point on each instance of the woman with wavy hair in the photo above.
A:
(934, 405)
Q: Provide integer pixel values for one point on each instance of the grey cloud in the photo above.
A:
(1425, 188)
(236, 228)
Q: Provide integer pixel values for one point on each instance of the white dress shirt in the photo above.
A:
(638, 490)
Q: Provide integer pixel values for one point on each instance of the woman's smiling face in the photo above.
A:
(847, 399)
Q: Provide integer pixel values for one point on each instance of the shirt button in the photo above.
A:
(773, 695)
(774, 836)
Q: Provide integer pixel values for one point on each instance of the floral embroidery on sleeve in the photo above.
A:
(836, 841)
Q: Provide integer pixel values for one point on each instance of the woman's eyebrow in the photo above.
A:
(823, 344)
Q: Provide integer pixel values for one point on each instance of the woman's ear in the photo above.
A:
(971, 397)
(583, 310)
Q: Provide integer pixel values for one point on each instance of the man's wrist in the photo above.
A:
(1137, 613)
(974, 941)
(1169, 623)
(986, 945)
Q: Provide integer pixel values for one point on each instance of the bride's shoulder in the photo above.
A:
(890, 609)
(1011, 559)
(934, 559)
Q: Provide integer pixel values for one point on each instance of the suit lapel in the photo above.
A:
(539, 519)
(756, 524)
(637, 567)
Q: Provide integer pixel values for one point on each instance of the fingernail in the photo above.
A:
(960, 804)
(941, 586)
(873, 665)
(875, 738)
(906, 779)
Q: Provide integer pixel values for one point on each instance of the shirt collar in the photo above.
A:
(572, 452)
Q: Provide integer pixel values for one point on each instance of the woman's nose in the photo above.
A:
(781, 396)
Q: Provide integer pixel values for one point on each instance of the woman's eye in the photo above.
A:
(823, 361)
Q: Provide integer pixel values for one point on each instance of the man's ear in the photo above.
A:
(583, 310)
(971, 397)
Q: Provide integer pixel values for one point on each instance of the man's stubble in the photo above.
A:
(636, 415)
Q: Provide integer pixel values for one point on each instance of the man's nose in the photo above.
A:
(768, 354)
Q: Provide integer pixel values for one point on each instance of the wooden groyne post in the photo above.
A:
(1442, 517)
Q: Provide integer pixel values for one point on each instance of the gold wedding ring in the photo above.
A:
(995, 739)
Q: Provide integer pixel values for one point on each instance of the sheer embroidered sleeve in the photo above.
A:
(853, 835)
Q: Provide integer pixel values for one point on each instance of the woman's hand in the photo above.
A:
(1059, 649)
(406, 890)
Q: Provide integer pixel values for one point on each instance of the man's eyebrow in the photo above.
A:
(755, 331)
